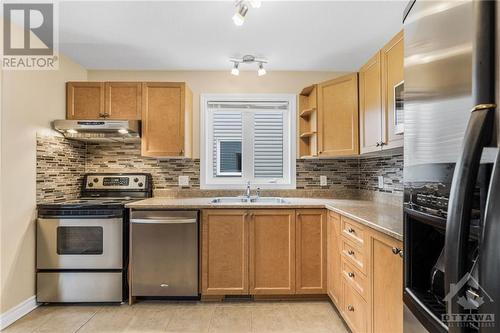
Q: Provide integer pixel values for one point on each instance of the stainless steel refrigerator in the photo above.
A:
(451, 170)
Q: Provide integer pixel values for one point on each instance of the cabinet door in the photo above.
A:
(272, 252)
(338, 116)
(392, 75)
(123, 100)
(334, 259)
(387, 285)
(370, 105)
(84, 100)
(163, 116)
(224, 253)
(310, 233)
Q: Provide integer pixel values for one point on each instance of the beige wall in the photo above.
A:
(30, 100)
(202, 82)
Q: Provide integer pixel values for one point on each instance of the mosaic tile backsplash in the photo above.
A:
(61, 164)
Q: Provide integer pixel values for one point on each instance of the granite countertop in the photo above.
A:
(383, 217)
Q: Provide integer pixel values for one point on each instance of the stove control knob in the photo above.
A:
(90, 184)
(136, 180)
(96, 180)
(140, 184)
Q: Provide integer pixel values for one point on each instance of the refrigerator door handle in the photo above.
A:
(489, 257)
(477, 135)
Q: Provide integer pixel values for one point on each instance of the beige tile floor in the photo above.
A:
(177, 317)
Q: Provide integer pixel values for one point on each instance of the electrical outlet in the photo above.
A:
(322, 181)
(183, 181)
(380, 181)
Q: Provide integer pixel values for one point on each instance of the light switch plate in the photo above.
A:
(322, 181)
(183, 181)
(380, 181)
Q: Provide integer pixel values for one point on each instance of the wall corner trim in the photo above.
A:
(17, 312)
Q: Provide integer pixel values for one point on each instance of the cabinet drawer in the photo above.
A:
(354, 255)
(353, 231)
(355, 279)
(354, 310)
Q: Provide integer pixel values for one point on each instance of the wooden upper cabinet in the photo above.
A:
(310, 251)
(334, 269)
(224, 254)
(370, 105)
(84, 100)
(392, 74)
(338, 116)
(123, 100)
(272, 252)
(166, 119)
(387, 285)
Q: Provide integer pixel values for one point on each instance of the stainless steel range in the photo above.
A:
(82, 245)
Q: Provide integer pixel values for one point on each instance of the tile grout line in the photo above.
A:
(88, 320)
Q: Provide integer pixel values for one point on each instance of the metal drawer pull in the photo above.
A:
(350, 308)
(350, 230)
(396, 250)
(162, 221)
(351, 274)
(350, 252)
(401, 253)
(164, 285)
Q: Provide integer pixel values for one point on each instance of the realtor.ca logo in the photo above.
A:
(29, 36)
(470, 296)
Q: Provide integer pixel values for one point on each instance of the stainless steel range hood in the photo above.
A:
(99, 130)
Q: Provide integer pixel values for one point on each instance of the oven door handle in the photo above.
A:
(163, 221)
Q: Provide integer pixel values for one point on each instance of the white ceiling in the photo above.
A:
(188, 35)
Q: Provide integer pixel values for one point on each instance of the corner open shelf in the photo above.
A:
(308, 122)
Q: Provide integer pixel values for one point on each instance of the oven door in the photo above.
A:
(79, 243)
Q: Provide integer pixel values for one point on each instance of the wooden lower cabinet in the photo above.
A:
(272, 252)
(310, 251)
(355, 310)
(334, 277)
(224, 253)
(387, 285)
(305, 251)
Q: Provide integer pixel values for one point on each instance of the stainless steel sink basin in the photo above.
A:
(230, 200)
(269, 200)
(222, 200)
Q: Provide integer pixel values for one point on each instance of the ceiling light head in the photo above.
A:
(255, 3)
(239, 16)
(235, 70)
(262, 71)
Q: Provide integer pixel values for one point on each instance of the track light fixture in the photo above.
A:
(242, 10)
(235, 70)
(248, 59)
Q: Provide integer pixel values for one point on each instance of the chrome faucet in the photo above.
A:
(247, 191)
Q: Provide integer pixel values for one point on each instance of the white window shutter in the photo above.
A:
(268, 144)
(227, 126)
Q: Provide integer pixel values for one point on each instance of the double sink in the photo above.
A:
(244, 199)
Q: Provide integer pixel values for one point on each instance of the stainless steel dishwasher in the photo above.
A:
(164, 253)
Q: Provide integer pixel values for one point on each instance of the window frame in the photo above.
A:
(208, 181)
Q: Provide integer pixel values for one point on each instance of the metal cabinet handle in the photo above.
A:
(351, 274)
(181, 152)
(350, 230)
(378, 144)
(164, 285)
(350, 252)
(350, 308)
(396, 250)
(401, 253)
